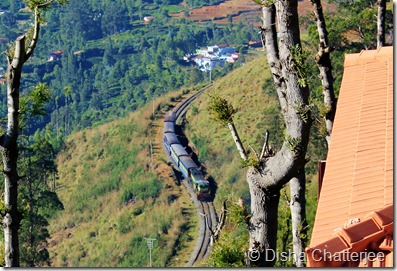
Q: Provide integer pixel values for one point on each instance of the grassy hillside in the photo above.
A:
(115, 196)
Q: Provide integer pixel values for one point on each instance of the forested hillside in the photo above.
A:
(90, 189)
(104, 66)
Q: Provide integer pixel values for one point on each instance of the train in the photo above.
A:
(189, 169)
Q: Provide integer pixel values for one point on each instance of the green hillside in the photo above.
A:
(103, 169)
(115, 196)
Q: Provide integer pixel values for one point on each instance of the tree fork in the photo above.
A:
(265, 183)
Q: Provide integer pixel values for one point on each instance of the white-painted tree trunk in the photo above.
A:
(298, 217)
(381, 20)
(8, 144)
(323, 61)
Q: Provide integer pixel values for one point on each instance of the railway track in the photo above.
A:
(209, 215)
(205, 210)
(181, 109)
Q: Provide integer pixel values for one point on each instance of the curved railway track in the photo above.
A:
(205, 210)
(181, 109)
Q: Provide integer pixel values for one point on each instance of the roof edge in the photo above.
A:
(368, 55)
(358, 237)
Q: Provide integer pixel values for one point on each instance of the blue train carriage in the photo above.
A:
(200, 185)
(177, 151)
(170, 116)
(169, 127)
(169, 122)
(170, 139)
(185, 165)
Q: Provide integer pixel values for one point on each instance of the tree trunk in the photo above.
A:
(11, 219)
(8, 144)
(298, 216)
(263, 226)
(265, 183)
(323, 61)
(8, 141)
(381, 20)
(9, 150)
(265, 180)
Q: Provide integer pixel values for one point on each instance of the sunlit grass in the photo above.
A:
(103, 172)
(114, 198)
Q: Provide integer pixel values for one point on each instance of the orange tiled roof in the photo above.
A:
(358, 176)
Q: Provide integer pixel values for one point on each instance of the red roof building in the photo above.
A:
(354, 219)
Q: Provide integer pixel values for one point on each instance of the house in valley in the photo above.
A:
(55, 56)
(210, 57)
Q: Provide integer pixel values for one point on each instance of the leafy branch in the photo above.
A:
(34, 103)
(221, 110)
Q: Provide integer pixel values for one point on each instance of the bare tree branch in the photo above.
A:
(265, 147)
(218, 228)
(35, 37)
(269, 38)
(323, 61)
(237, 141)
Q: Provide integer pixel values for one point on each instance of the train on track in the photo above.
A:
(185, 163)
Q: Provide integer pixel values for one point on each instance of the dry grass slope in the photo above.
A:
(103, 168)
(114, 196)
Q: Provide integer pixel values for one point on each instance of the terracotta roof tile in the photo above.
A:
(358, 177)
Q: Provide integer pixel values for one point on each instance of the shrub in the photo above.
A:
(125, 223)
(141, 188)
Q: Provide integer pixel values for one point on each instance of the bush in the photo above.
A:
(125, 223)
(136, 254)
(141, 189)
(106, 185)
